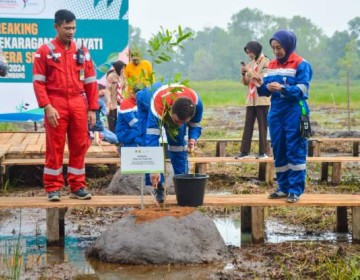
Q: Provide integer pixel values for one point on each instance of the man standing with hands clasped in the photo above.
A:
(65, 86)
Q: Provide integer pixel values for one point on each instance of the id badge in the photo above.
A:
(81, 75)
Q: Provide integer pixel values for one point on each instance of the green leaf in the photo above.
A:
(103, 68)
(113, 56)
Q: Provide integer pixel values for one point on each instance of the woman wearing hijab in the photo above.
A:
(257, 107)
(287, 82)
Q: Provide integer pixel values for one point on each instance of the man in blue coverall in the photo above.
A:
(179, 110)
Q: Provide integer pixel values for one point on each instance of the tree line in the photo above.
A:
(215, 53)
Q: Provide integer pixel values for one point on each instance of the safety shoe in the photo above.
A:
(54, 196)
(277, 194)
(158, 194)
(292, 198)
(242, 155)
(261, 156)
(81, 194)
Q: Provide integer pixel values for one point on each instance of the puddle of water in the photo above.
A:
(229, 228)
(34, 252)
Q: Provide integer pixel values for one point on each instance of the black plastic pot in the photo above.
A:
(190, 189)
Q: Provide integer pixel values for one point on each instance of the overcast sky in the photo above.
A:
(149, 15)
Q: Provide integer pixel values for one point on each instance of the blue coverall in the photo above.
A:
(289, 148)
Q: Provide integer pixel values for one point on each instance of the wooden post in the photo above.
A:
(341, 219)
(245, 219)
(257, 224)
(336, 173)
(55, 226)
(200, 167)
(356, 148)
(313, 148)
(269, 173)
(310, 148)
(262, 171)
(324, 171)
(356, 224)
(220, 148)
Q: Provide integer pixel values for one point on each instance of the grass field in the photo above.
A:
(322, 93)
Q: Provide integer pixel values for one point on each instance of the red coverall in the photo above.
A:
(72, 90)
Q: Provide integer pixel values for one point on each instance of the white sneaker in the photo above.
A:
(261, 156)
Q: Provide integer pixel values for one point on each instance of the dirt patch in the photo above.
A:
(152, 214)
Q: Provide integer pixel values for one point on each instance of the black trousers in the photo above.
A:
(112, 117)
(253, 113)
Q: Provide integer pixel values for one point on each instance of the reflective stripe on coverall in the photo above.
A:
(72, 90)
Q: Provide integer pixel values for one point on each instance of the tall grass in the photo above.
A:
(15, 262)
(322, 93)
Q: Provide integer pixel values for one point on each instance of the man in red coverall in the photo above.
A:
(65, 86)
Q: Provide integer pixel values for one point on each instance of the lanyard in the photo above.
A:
(303, 109)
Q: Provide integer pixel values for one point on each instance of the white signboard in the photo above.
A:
(141, 160)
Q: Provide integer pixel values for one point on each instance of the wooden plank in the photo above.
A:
(41, 139)
(17, 138)
(5, 136)
(31, 138)
(33, 149)
(306, 200)
(95, 149)
(109, 149)
(4, 148)
(270, 159)
(17, 149)
(318, 139)
(41, 161)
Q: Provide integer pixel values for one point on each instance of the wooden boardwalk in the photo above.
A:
(28, 148)
(307, 200)
(252, 209)
(31, 145)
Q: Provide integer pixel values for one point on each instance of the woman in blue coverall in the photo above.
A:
(287, 82)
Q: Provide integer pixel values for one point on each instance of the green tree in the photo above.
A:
(349, 68)
(354, 27)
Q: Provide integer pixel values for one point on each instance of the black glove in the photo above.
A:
(3, 69)
(305, 127)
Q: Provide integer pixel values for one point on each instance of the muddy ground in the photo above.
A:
(287, 260)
